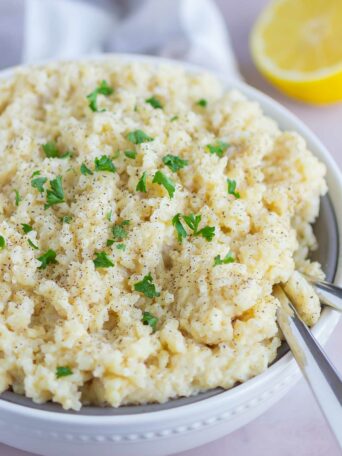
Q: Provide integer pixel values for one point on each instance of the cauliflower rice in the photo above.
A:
(109, 293)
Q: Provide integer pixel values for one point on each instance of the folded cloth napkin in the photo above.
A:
(190, 30)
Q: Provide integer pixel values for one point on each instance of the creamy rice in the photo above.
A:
(75, 333)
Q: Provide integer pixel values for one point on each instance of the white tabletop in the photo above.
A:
(295, 424)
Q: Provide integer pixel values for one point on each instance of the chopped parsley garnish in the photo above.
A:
(104, 163)
(174, 163)
(119, 231)
(63, 371)
(51, 151)
(47, 258)
(102, 260)
(109, 216)
(17, 198)
(181, 233)
(193, 221)
(208, 232)
(232, 188)
(26, 228)
(150, 320)
(229, 258)
(32, 245)
(35, 173)
(130, 154)
(202, 102)
(110, 242)
(56, 194)
(218, 148)
(67, 154)
(174, 118)
(85, 170)
(138, 137)
(147, 287)
(2, 243)
(154, 102)
(161, 179)
(141, 185)
(102, 89)
(38, 183)
(66, 219)
(121, 246)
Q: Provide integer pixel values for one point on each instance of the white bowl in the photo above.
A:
(185, 423)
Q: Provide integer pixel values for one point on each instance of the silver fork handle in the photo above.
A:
(328, 293)
(321, 376)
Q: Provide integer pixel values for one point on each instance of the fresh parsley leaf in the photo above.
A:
(161, 179)
(110, 242)
(2, 243)
(202, 102)
(102, 89)
(150, 320)
(109, 216)
(218, 148)
(66, 154)
(38, 183)
(104, 163)
(85, 170)
(141, 185)
(26, 228)
(174, 118)
(208, 232)
(56, 194)
(102, 260)
(50, 149)
(35, 173)
(181, 233)
(130, 154)
(147, 287)
(154, 102)
(92, 98)
(229, 258)
(63, 371)
(192, 221)
(119, 231)
(121, 246)
(138, 137)
(174, 163)
(232, 188)
(47, 258)
(32, 245)
(66, 219)
(18, 198)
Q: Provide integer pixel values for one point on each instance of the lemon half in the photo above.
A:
(297, 45)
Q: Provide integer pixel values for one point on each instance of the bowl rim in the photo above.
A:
(285, 366)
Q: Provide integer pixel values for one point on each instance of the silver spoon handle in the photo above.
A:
(321, 376)
(328, 293)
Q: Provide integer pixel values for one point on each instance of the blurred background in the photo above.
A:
(214, 34)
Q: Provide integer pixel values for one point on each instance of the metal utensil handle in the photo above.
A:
(328, 293)
(321, 376)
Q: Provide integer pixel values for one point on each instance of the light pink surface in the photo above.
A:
(295, 424)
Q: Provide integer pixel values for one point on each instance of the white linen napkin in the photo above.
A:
(190, 30)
